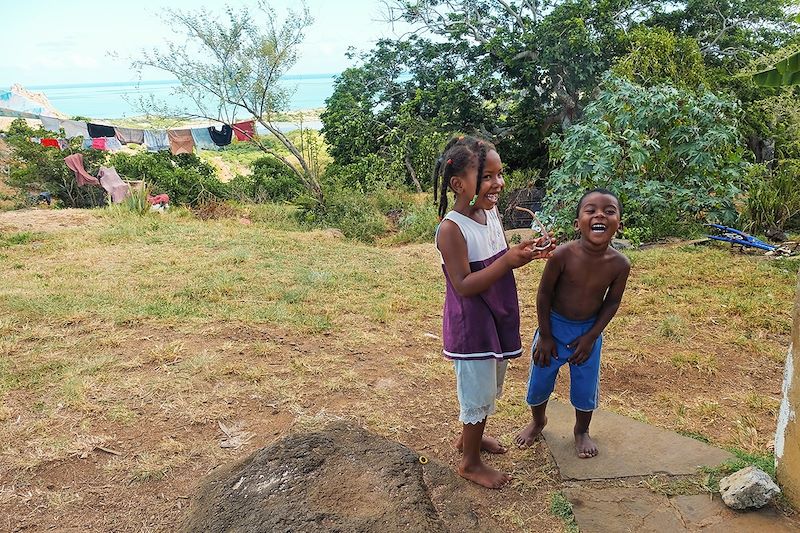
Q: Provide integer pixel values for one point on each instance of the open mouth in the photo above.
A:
(493, 197)
(598, 228)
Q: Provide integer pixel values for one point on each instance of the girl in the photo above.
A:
(481, 311)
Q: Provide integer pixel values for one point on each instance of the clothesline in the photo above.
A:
(178, 141)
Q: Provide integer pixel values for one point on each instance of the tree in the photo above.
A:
(670, 154)
(233, 67)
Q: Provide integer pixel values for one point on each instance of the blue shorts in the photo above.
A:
(584, 379)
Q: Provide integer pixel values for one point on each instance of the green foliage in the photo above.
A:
(270, 181)
(773, 200)
(416, 224)
(363, 174)
(13, 239)
(659, 57)
(560, 507)
(136, 202)
(669, 154)
(351, 212)
(36, 168)
(185, 178)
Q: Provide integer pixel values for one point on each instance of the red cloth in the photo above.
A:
(75, 164)
(158, 199)
(53, 143)
(99, 143)
(244, 130)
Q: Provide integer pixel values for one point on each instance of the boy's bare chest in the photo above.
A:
(587, 277)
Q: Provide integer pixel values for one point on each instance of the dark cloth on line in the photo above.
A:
(100, 130)
(221, 137)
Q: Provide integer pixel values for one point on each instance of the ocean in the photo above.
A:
(114, 100)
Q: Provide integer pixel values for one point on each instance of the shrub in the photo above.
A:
(356, 215)
(36, 168)
(773, 201)
(270, 181)
(366, 174)
(670, 154)
(185, 178)
(417, 224)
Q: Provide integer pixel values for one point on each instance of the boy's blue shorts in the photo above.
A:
(584, 379)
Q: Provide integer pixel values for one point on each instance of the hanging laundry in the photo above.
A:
(202, 139)
(100, 130)
(51, 124)
(63, 144)
(35, 140)
(99, 143)
(180, 141)
(113, 144)
(87, 143)
(129, 135)
(75, 128)
(52, 143)
(75, 164)
(244, 130)
(221, 137)
(113, 184)
(156, 140)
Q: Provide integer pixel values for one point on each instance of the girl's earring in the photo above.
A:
(474, 199)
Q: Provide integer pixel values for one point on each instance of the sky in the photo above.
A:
(51, 42)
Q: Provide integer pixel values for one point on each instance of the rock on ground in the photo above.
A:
(342, 478)
(748, 488)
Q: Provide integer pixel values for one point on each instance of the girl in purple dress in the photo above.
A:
(481, 311)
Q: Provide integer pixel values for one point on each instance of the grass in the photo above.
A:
(561, 508)
(142, 332)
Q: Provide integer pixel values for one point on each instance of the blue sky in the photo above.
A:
(46, 42)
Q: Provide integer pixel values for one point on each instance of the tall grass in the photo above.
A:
(774, 200)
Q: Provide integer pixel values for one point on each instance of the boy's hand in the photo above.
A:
(544, 350)
(583, 349)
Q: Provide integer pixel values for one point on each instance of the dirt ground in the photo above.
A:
(146, 430)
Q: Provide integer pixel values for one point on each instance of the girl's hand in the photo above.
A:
(521, 254)
(548, 251)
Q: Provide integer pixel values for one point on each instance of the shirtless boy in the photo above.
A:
(581, 289)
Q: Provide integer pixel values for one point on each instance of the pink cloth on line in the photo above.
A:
(99, 143)
(113, 184)
(75, 164)
(180, 141)
(244, 130)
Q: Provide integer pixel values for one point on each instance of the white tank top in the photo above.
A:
(483, 240)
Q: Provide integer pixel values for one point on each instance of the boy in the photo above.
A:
(581, 289)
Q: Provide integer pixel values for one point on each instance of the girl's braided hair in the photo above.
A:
(459, 154)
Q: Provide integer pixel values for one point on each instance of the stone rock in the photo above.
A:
(749, 488)
(621, 244)
(341, 478)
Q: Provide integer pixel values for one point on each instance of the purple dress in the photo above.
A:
(485, 326)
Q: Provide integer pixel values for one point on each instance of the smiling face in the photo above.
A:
(491, 184)
(598, 218)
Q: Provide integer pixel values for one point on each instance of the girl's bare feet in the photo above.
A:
(530, 433)
(483, 475)
(488, 444)
(585, 446)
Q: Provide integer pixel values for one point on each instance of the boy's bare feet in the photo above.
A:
(483, 475)
(585, 446)
(488, 444)
(529, 434)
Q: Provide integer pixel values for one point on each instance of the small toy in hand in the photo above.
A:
(538, 227)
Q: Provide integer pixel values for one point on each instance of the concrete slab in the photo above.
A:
(623, 510)
(627, 447)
